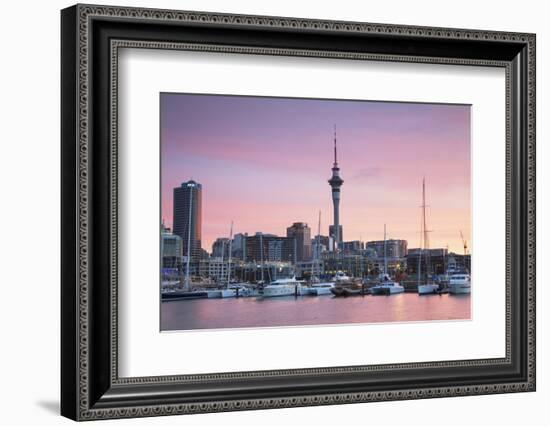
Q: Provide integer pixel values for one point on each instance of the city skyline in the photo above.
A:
(264, 163)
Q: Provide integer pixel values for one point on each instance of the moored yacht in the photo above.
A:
(282, 287)
(233, 288)
(459, 284)
(386, 286)
(320, 289)
(428, 288)
(316, 287)
(238, 290)
(179, 294)
(342, 278)
(213, 294)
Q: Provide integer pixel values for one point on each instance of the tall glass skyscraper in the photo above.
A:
(187, 217)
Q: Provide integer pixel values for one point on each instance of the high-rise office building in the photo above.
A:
(268, 247)
(220, 248)
(302, 233)
(238, 248)
(187, 217)
(394, 248)
(352, 246)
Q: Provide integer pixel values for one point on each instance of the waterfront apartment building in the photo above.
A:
(352, 246)
(354, 265)
(459, 262)
(394, 248)
(307, 269)
(238, 247)
(394, 265)
(171, 250)
(187, 217)
(432, 261)
(269, 247)
(302, 234)
(218, 269)
(220, 248)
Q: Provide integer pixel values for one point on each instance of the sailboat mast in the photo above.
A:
(318, 254)
(262, 256)
(319, 229)
(425, 229)
(422, 235)
(425, 236)
(419, 264)
(229, 260)
(385, 257)
(426, 240)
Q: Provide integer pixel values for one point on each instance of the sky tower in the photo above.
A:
(335, 183)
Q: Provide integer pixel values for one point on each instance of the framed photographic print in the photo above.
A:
(263, 212)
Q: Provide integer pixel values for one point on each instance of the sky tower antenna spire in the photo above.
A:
(335, 154)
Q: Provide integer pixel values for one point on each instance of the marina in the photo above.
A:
(340, 285)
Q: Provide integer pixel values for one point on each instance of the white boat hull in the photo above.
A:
(459, 288)
(280, 290)
(228, 293)
(386, 290)
(314, 291)
(249, 292)
(428, 289)
(307, 291)
(322, 291)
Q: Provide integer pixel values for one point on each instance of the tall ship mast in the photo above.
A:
(229, 260)
(385, 254)
(425, 232)
(318, 246)
(428, 287)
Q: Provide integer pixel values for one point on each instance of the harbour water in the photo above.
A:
(304, 310)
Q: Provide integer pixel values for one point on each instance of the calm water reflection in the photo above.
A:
(288, 311)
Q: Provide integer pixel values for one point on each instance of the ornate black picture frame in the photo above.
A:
(91, 388)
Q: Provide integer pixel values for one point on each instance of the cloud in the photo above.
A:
(367, 173)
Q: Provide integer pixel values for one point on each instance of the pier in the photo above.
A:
(352, 288)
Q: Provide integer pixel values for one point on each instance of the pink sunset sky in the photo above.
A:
(264, 163)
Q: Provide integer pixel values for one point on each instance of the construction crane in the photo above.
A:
(464, 243)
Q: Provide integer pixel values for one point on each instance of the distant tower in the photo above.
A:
(335, 183)
(187, 217)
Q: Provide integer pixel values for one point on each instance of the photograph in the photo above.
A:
(265, 208)
(282, 211)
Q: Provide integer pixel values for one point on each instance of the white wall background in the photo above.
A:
(29, 225)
